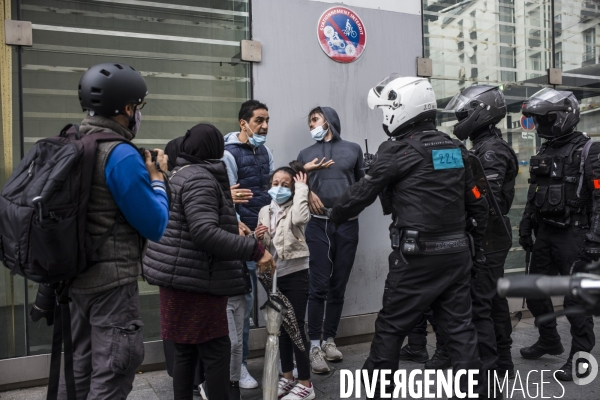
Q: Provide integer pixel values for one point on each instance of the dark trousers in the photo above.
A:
(441, 283)
(556, 251)
(108, 345)
(169, 349)
(331, 258)
(214, 357)
(500, 311)
(483, 290)
(418, 335)
(295, 288)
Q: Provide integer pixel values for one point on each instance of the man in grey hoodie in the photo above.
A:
(333, 164)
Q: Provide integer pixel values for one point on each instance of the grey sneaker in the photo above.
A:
(331, 351)
(317, 361)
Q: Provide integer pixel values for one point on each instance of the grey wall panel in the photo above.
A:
(296, 75)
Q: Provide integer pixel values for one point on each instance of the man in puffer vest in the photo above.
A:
(249, 164)
(105, 311)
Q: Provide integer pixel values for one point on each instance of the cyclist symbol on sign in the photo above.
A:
(333, 39)
(349, 32)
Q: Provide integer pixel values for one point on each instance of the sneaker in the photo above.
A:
(539, 349)
(317, 361)
(285, 386)
(294, 372)
(246, 380)
(331, 351)
(440, 360)
(414, 353)
(301, 392)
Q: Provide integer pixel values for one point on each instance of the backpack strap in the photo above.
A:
(584, 153)
(62, 333)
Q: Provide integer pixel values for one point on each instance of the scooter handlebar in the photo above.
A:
(535, 287)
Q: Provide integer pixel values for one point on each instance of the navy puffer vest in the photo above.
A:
(253, 173)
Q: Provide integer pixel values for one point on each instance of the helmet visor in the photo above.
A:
(549, 95)
(457, 103)
(381, 85)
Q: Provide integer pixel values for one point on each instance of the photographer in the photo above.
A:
(129, 197)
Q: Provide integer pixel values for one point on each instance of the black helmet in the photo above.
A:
(477, 107)
(105, 89)
(554, 112)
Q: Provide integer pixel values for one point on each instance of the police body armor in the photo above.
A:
(555, 189)
(428, 205)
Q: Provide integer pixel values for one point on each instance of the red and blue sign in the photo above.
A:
(342, 34)
(527, 123)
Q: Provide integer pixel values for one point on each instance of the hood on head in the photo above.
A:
(334, 121)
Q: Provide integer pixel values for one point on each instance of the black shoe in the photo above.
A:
(538, 349)
(414, 353)
(195, 391)
(440, 360)
(567, 371)
(501, 373)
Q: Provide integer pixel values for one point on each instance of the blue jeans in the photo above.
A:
(249, 306)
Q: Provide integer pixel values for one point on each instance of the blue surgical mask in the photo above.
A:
(319, 133)
(256, 140)
(280, 194)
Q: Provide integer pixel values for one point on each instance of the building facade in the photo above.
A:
(189, 53)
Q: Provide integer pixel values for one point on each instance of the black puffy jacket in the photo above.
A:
(201, 250)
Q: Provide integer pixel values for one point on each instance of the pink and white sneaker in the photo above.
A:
(285, 386)
(301, 392)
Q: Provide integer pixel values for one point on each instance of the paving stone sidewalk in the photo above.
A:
(157, 385)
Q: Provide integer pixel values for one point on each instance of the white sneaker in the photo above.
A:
(331, 351)
(285, 386)
(301, 392)
(202, 392)
(246, 380)
(294, 372)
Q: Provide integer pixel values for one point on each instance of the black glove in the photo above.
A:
(526, 241)
(368, 160)
(479, 262)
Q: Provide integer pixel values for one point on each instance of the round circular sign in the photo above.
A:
(527, 123)
(342, 34)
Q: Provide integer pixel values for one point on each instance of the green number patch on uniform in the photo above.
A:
(447, 159)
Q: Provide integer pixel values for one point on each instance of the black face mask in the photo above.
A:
(544, 125)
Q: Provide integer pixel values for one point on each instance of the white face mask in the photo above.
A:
(319, 133)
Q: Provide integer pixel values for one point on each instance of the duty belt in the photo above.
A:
(413, 243)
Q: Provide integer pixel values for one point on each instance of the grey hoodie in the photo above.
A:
(330, 183)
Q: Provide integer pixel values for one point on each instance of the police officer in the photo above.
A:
(558, 212)
(428, 189)
(478, 109)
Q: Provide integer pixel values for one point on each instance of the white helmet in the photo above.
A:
(404, 100)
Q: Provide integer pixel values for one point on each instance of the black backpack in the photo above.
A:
(43, 207)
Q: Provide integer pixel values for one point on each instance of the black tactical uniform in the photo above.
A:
(558, 211)
(491, 314)
(433, 203)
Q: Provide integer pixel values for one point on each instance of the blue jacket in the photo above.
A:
(251, 168)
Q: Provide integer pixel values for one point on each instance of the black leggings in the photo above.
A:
(214, 357)
(295, 288)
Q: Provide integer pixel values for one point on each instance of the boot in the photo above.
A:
(234, 391)
(539, 349)
(567, 371)
(414, 353)
(440, 360)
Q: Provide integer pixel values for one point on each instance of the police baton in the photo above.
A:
(527, 260)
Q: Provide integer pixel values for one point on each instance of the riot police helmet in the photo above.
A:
(404, 100)
(105, 89)
(555, 112)
(477, 107)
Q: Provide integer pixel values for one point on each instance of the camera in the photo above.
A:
(153, 154)
(45, 302)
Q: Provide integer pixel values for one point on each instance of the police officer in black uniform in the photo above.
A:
(478, 109)
(429, 190)
(558, 211)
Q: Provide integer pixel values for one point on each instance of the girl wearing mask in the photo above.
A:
(281, 229)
